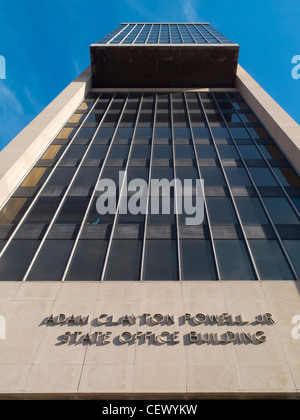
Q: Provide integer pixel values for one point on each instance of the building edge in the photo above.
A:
(278, 122)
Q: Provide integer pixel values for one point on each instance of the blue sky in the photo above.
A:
(46, 45)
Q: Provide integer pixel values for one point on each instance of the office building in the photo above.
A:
(144, 304)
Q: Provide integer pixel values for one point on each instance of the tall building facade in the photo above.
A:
(143, 303)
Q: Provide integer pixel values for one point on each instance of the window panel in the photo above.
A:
(213, 176)
(280, 210)
(197, 260)
(251, 211)
(263, 177)
(61, 177)
(16, 259)
(72, 210)
(124, 260)
(36, 177)
(221, 211)
(161, 260)
(14, 210)
(88, 260)
(51, 261)
(293, 249)
(238, 176)
(270, 260)
(234, 261)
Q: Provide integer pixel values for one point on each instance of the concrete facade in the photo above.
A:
(35, 363)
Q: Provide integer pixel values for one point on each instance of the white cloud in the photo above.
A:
(189, 8)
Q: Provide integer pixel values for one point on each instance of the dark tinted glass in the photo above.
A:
(61, 177)
(293, 249)
(237, 177)
(197, 260)
(16, 259)
(251, 211)
(221, 211)
(51, 261)
(88, 260)
(161, 261)
(124, 260)
(280, 210)
(86, 177)
(234, 261)
(73, 210)
(270, 260)
(263, 177)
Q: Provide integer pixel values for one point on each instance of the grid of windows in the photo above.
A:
(50, 228)
(165, 33)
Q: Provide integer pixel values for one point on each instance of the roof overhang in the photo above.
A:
(164, 66)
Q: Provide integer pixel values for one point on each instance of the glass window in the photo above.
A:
(86, 177)
(61, 177)
(238, 177)
(221, 211)
(263, 177)
(161, 260)
(53, 152)
(206, 151)
(250, 152)
(36, 177)
(124, 261)
(14, 210)
(43, 210)
(118, 152)
(287, 176)
(105, 133)
(163, 132)
(184, 152)
(239, 132)
(51, 261)
(270, 260)
(161, 151)
(88, 260)
(251, 211)
(228, 152)
(161, 218)
(143, 133)
(234, 261)
(97, 151)
(201, 133)
(182, 133)
(140, 151)
(73, 210)
(16, 259)
(75, 152)
(280, 210)
(293, 249)
(197, 260)
(213, 176)
(271, 151)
